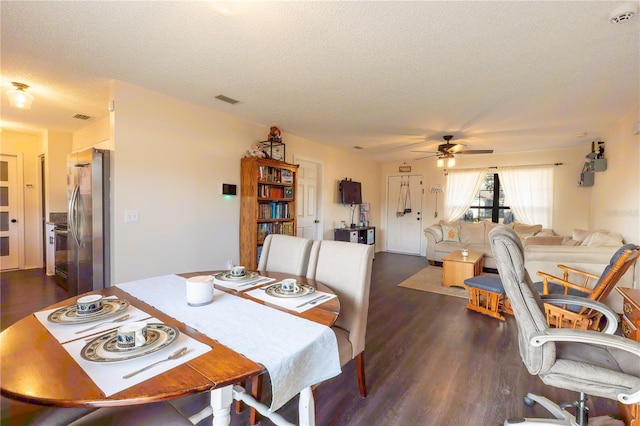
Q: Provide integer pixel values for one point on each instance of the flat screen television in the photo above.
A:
(350, 192)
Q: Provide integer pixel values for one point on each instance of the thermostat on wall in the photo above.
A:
(228, 189)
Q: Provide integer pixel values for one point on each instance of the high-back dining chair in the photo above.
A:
(285, 253)
(592, 286)
(346, 269)
(584, 361)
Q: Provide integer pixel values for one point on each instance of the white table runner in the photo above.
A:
(296, 352)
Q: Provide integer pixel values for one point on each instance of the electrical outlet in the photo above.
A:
(130, 216)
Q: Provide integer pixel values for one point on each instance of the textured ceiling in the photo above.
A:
(390, 77)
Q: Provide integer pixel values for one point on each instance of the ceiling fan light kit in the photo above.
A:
(447, 150)
(19, 97)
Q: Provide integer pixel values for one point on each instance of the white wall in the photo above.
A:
(615, 196)
(170, 161)
(57, 146)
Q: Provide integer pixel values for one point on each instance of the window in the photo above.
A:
(488, 204)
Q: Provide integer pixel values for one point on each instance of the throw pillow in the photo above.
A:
(472, 233)
(570, 242)
(599, 239)
(580, 234)
(523, 228)
(450, 233)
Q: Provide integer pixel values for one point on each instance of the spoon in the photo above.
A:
(119, 319)
(175, 355)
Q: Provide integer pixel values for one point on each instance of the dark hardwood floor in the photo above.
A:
(429, 361)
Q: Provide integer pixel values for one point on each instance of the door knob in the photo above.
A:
(316, 221)
(14, 220)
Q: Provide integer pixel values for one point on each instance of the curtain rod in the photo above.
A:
(497, 167)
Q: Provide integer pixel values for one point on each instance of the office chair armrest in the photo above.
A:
(610, 314)
(593, 338)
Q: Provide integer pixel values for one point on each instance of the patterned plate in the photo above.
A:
(276, 290)
(103, 348)
(226, 276)
(69, 314)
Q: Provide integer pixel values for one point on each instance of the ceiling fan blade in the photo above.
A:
(476, 151)
(426, 156)
(456, 148)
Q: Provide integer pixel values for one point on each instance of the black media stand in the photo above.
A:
(359, 234)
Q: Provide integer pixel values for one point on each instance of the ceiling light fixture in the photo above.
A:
(451, 161)
(447, 159)
(18, 97)
(623, 13)
(440, 162)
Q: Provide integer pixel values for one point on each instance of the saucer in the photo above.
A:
(277, 291)
(226, 276)
(69, 314)
(103, 348)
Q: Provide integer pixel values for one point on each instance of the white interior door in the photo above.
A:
(307, 200)
(404, 214)
(9, 226)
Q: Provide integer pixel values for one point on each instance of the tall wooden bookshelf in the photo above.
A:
(267, 204)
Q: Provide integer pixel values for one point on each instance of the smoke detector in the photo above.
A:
(623, 13)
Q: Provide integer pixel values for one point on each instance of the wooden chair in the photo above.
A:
(572, 316)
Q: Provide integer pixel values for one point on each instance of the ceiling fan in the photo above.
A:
(447, 150)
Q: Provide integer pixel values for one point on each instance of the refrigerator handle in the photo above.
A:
(73, 214)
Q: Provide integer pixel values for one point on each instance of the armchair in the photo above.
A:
(583, 361)
(582, 317)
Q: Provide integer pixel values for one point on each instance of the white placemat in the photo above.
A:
(67, 331)
(108, 376)
(296, 352)
(297, 304)
(243, 285)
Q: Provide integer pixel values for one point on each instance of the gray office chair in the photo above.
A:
(286, 254)
(584, 361)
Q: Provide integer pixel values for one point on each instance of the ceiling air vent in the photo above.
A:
(227, 99)
(358, 147)
(81, 117)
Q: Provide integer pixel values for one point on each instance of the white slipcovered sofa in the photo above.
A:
(446, 237)
(588, 251)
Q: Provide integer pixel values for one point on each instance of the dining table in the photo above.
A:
(49, 364)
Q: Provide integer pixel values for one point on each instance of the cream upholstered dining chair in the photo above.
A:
(285, 253)
(346, 269)
(584, 361)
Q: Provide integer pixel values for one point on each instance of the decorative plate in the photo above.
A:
(277, 291)
(226, 276)
(103, 348)
(69, 314)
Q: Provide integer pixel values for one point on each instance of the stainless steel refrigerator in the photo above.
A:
(88, 220)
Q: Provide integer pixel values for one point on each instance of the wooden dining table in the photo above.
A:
(36, 369)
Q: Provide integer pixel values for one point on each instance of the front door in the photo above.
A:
(9, 226)
(404, 214)
(307, 199)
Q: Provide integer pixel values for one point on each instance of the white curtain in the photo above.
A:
(528, 191)
(462, 187)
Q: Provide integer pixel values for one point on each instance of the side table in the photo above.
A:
(456, 268)
(631, 330)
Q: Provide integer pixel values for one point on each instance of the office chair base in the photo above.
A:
(562, 416)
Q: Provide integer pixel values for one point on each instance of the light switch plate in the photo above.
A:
(130, 216)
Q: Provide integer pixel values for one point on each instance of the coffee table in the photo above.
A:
(456, 268)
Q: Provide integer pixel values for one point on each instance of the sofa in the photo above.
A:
(446, 237)
(589, 251)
